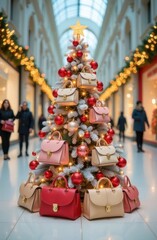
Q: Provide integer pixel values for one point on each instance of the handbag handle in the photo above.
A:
(29, 178)
(98, 103)
(65, 180)
(127, 182)
(88, 69)
(98, 143)
(68, 82)
(106, 179)
(59, 135)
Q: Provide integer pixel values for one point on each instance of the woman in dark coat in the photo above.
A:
(140, 119)
(26, 123)
(122, 123)
(6, 113)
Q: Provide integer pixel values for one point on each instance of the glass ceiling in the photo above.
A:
(88, 12)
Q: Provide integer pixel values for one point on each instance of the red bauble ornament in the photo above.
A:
(69, 59)
(115, 181)
(91, 101)
(48, 174)
(33, 164)
(82, 150)
(55, 93)
(87, 134)
(111, 132)
(50, 109)
(34, 153)
(69, 73)
(62, 72)
(77, 178)
(79, 53)
(83, 118)
(75, 43)
(121, 162)
(108, 138)
(59, 120)
(99, 86)
(41, 134)
(94, 65)
(99, 175)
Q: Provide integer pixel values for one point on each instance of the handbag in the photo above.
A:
(99, 114)
(103, 155)
(103, 202)
(67, 96)
(55, 152)
(86, 80)
(29, 197)
(8, 126)
(131, 196)
(60, 202)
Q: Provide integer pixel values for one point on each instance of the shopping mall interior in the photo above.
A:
(80, 67)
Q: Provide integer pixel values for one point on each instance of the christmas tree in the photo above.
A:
(77, 136)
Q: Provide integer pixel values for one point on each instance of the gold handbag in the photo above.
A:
(104, 155)
(103, 202)
(86, 80)
(67, 96)
(29, 197)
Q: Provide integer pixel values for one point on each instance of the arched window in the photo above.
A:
(14, 7)
(31, 37)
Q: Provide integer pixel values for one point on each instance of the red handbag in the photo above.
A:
(55, 152)
(130, 196)
(60, 202)
(8, 126)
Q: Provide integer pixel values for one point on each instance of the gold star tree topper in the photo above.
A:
(78, 29)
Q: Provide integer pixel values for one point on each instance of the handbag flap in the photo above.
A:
(66, 91)
(27, 190)
(60, 196)
(131, 192)
(105, 150)
(106, 196)
(101, 110)
(51, 145)
(88, 76)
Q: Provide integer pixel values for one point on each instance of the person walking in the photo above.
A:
(140, 119)
(6, 114)
(26, 123)
(41, 120)
(121, 125)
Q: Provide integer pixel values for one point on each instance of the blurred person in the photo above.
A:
(41, 120)
(26, 123)
(6, 113)
(121, 125)
(140, 119)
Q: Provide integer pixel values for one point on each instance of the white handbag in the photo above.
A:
(104, 155)
(86, 80)
(67, 96)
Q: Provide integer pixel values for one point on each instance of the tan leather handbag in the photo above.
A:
(104, 155)
(29, 197)
(67, 96)
(86, 80)
(103, 202)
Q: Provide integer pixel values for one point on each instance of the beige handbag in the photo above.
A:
(67, 96)
(86, 80)
(29, 197)
(104, 155)
(103, 202)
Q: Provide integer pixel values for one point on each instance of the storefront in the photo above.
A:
(148, 94)
(9, 89)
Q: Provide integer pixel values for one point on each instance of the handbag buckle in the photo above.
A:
(108, 208)
(64, 97)
(55, 207)
(108, 156)
(49, 153)
(89, 81)
(24, 199)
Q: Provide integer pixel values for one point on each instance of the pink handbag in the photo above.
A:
(131, 196)
(99, 114)
(55, 152)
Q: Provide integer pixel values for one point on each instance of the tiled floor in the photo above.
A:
(16, 223)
